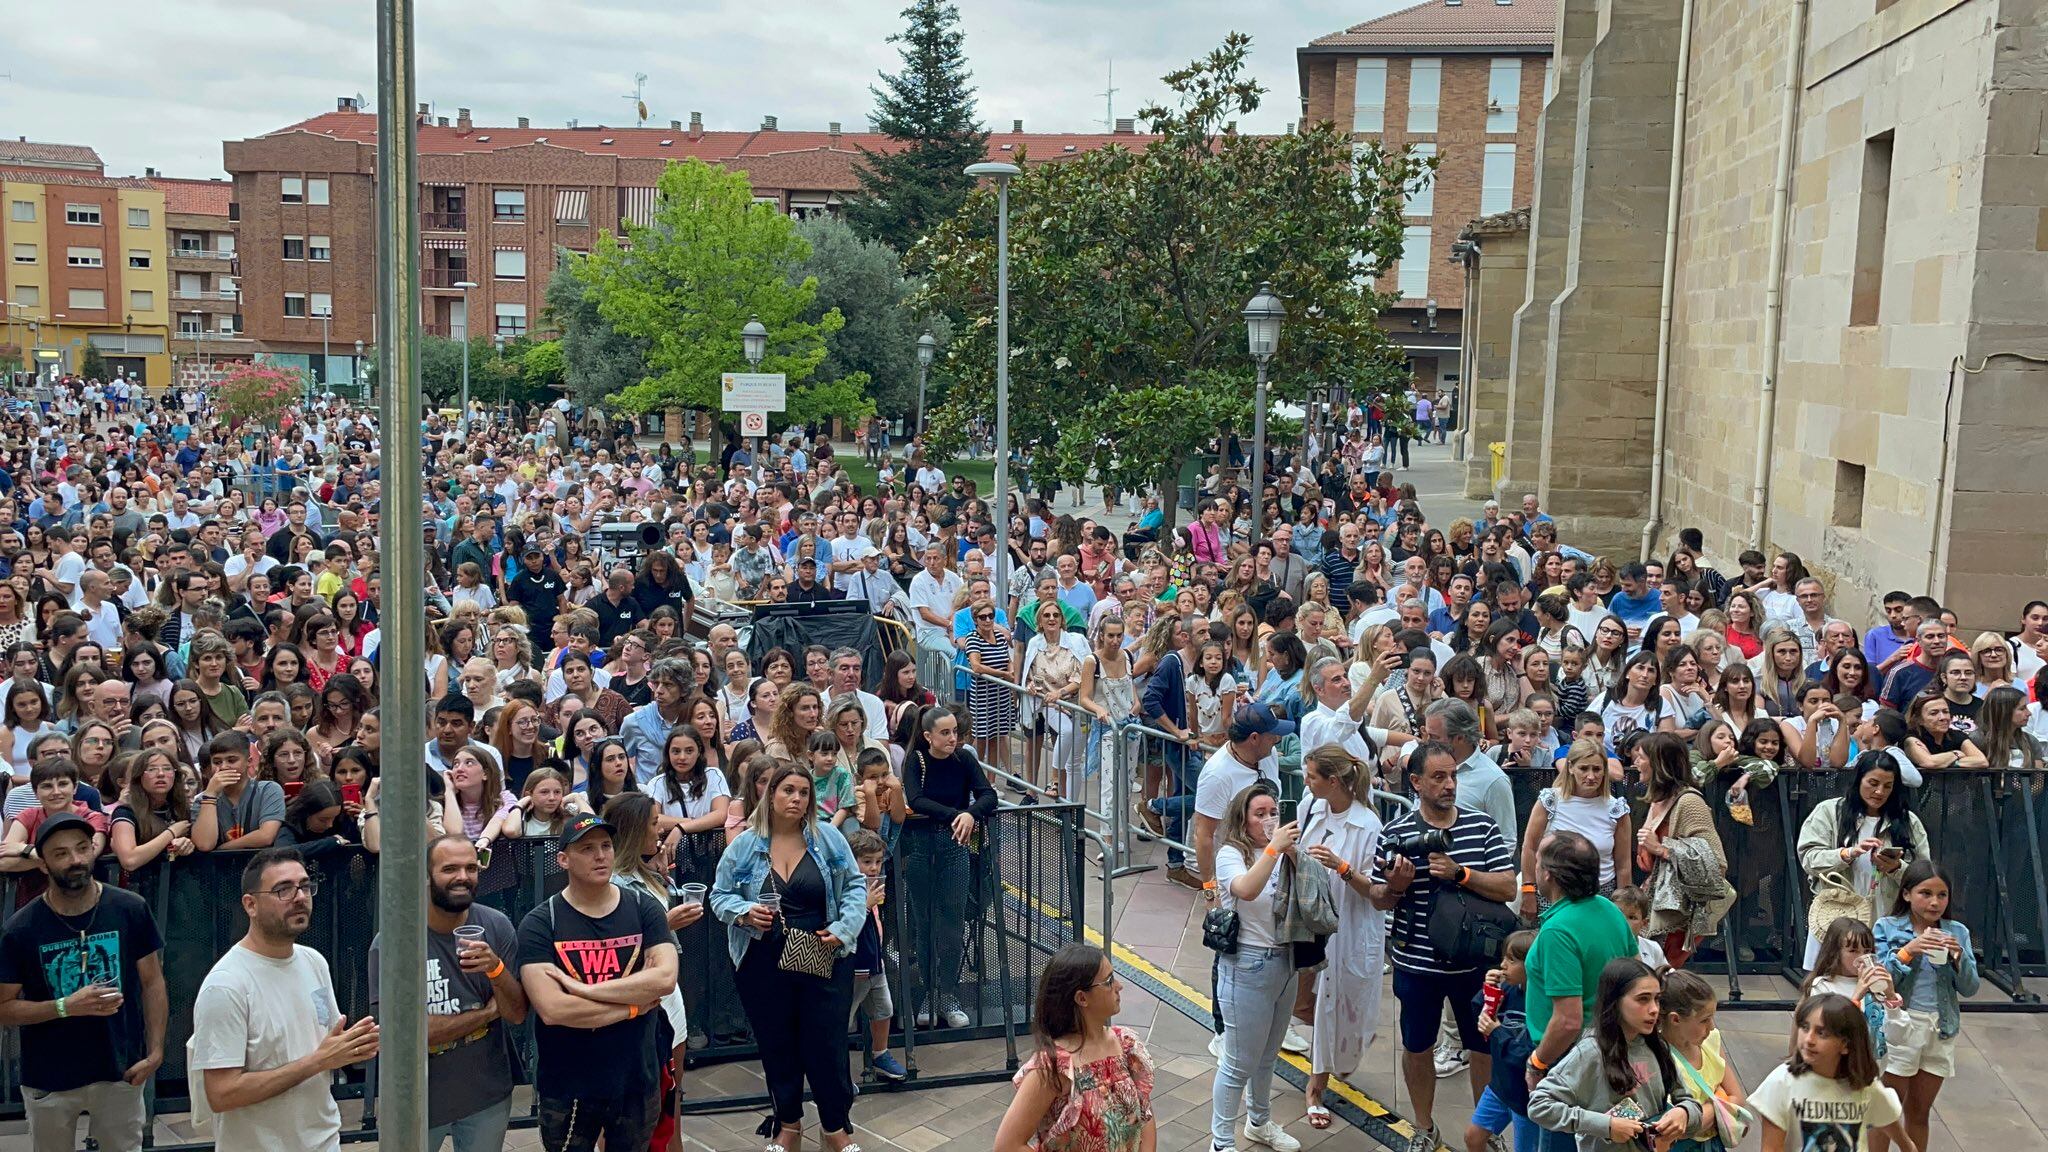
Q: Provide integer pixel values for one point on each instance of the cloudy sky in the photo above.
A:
(161, 83)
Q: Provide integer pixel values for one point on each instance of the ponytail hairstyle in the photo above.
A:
(1332, 762)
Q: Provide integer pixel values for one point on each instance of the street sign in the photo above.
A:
(753, 423)
(753, 392)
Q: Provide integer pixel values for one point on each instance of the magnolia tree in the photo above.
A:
(258, 393)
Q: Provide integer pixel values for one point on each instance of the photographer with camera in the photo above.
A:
(1438, 853)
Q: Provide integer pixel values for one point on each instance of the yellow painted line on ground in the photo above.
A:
(1343, 1089)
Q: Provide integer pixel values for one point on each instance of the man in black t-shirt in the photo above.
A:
(81, 974)
(538, 590)
(595, 962)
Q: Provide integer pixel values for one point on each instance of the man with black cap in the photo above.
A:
(538, 588)
(1255, 731)
(595, 961)
(81, 974)
(807, 588)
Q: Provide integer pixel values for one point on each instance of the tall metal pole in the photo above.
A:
(922, 371)
(402, 865)
(1259, 455)
(1001, 513)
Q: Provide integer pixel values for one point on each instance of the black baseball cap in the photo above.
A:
(62, 822)
(583, 825)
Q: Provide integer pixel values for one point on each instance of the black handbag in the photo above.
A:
(1219, 931)
(1467, 930)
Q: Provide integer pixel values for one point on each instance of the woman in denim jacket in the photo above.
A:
(1932, 969)
(788, 874)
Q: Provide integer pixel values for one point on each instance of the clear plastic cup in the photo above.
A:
(1272, 824)
(469, 936)
(693, 893)
(772, 901)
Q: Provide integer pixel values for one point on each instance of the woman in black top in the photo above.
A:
(950, 800)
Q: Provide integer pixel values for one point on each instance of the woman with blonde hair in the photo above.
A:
(1341, 832)
(1780, 671)
(1581, 800)
(1992, 656)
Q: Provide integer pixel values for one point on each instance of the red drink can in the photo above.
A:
(1492, 998)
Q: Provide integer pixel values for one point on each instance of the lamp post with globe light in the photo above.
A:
(1262, 319)
(754, 341)
(926, 348)
(1002, 174)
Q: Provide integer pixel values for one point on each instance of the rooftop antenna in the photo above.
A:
(639, 105)
(1108, 95)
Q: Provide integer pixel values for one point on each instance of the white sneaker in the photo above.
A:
(1272, 1135)
(1294, 1042)
(1450, 1063)
(1424, 1141)
(1216, 1046)
(955, 1018)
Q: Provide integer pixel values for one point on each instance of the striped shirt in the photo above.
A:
(1476, 843)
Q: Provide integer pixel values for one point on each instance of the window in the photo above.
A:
(227, 325)
(292, 190)
(224, 245)
(191, 244)
(81, 214)
(295, 304)
(24, 253)
(1848, 495)
(189, 326)
(141, 301)
(227, 289)
(88, 300)
(1425, 80)
(138, 217)
(316, 191)
(295, 247)
(83, 258)
(323, 304)
(1497, 181)
(1504, 94)
(22, 211)
(138, 258)
(1871, 208)
(1412, 276)
(317, 248)
(510, 320)
(508, 264)
(191, 286)
(28, 295)
(1369, 111)
(1422, 189)
(508, 204)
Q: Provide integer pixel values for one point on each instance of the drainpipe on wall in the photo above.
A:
(1667, 288)
(1774, 277)
(1468, 349)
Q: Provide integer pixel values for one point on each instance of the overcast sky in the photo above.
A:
(160, 83)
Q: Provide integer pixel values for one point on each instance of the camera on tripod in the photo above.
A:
(623, 542)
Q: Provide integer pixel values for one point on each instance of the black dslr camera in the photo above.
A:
(1416, 845)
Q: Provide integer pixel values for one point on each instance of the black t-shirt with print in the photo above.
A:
(617, 1061)
(52, 957)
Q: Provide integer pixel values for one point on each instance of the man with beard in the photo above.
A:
(81, 974)
(267, 1031)
(595, 961)
(472, 995)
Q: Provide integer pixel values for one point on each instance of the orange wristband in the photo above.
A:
(1343, 869)
(632, 1011)
(494, 973)
(1272, 851)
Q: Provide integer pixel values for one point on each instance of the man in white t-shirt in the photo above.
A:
(931, 599)
(68, 562)
(267, 1030)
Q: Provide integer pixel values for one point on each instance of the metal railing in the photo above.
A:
(1025, 899)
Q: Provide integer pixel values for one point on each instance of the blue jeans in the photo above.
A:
(1255, 990)
(480, 1131)
(1178, 809)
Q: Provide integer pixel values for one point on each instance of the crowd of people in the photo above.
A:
(191, 614)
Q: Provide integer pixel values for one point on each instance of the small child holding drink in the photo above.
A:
(1503, 1022)
(870, 977)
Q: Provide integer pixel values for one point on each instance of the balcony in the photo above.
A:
(446, 278)
(444, 221)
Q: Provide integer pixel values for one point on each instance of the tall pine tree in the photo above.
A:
(929, 109)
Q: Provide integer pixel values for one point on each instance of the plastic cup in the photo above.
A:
(1272, 824)
(772, 901)
(469, 936)
(694, 893)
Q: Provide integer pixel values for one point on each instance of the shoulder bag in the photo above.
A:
(1219, 931)
(1833, 899)
(802, 952)
(1467, 930)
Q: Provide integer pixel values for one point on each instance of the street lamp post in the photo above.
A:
(463, 421)
(57, 341)
(754, 343)
(926, 348)
(356, 372)
(1002, 174)
(1262, 319)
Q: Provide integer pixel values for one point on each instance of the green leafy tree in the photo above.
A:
(927, 111)
(688, 283)
(843, 398)
(863, 280)
(598, 361)
(544, 366)
(93, 366)
(1129, 272)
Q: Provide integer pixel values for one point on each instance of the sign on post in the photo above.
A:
(753, 423)
(753, 392)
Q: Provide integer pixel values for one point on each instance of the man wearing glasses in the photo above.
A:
(267, 1031)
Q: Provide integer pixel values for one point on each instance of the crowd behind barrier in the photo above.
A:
(1027, 899)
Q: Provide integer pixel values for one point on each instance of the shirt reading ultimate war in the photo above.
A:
(616, 1061)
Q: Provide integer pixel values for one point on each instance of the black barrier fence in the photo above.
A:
(1986, 828)
(1017, 887)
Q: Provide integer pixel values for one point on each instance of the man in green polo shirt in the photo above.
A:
(1580, 932)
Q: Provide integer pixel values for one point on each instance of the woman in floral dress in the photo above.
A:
(1089, 1088)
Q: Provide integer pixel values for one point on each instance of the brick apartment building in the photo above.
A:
(1462, 80)
(85, 263)
(204, 285)
(496, 204)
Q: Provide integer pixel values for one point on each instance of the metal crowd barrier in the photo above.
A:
(1026, 900)
(1986, 828)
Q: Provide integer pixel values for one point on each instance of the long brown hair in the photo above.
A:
(631, 815)
(148, 825)
(1844, 1021)
(1070, 972)
(782, 726)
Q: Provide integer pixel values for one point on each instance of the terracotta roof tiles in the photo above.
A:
(1469, 24)
(37, 153)
(194, 197)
